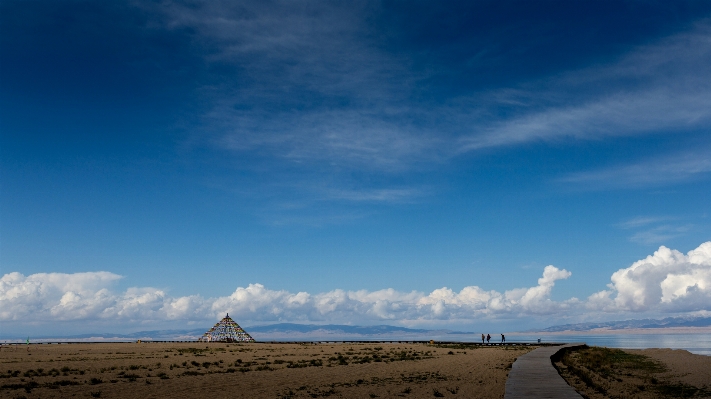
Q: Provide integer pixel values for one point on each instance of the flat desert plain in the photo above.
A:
(255, 370)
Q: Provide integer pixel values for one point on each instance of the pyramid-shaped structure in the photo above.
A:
(226, 330)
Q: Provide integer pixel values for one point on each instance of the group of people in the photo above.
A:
(487, 338)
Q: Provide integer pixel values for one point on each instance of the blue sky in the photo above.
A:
(163, 161)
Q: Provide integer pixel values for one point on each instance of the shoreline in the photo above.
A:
(626, 331)
(471, 338)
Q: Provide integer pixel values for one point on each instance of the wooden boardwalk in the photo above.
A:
(533, 376)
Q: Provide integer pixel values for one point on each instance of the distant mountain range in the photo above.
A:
(157, 335)
(344, 329)
(338, 332)
(275, 332)
(632, 324)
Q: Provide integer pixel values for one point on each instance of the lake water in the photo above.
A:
(699, 344)
(695, 343)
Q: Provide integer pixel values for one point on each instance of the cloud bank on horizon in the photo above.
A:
(665, 282)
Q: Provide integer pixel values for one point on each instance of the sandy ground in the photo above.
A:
(657, 373)
(193, 370)
(682, 366)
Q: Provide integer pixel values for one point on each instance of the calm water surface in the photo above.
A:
(694, 343)
(699, 344)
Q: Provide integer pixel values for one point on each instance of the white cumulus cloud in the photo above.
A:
(57, 295)
(87, 296)
(668, 280)
(665, 282)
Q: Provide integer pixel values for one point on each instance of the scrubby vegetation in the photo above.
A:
(612, 373)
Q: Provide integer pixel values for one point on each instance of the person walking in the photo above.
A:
(503, 338)
(482, 339)
(488, 338)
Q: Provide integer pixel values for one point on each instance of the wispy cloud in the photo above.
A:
(659, 234)
(340, 209)
(640, 112)
(669, 169)
(640, 221)
(360, 139)
(648, 230)
(390, 195)
(660, 87)
(312, 87)
(349, 99)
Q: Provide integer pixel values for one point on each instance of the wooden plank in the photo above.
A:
(533, 376)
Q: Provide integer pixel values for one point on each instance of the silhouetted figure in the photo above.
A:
(488, 338)
(503, 338)
(482, 338)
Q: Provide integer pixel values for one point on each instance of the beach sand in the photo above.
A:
(258, 370)
(637, 373)
(683, 367)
